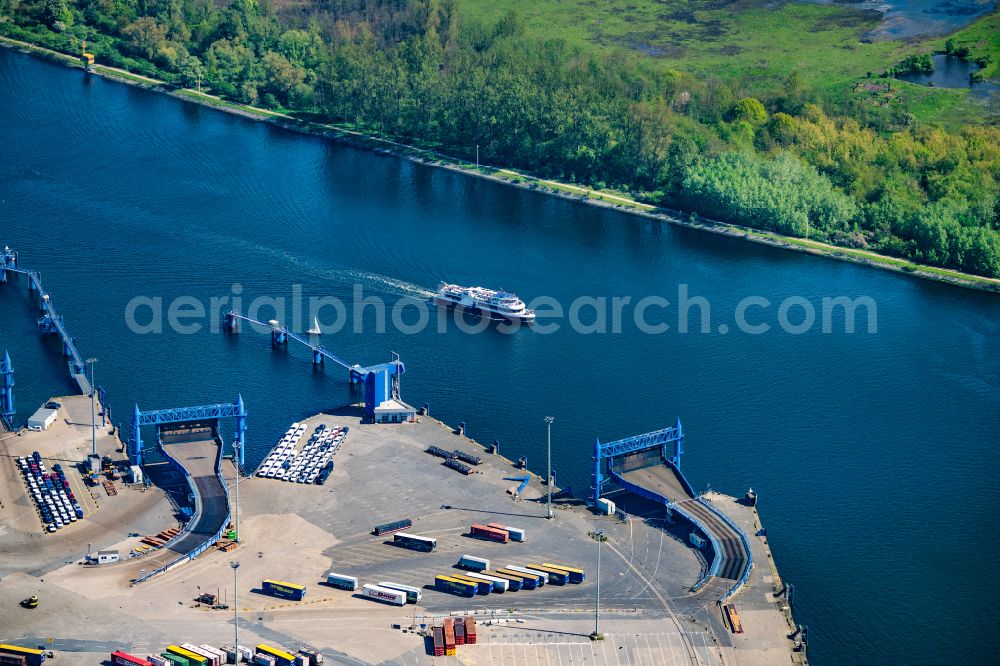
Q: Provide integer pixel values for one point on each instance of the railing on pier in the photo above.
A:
(52, 321)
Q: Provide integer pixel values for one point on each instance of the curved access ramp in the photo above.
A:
(664, 483)
(199, 461)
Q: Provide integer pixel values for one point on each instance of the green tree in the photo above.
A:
(145, 36)
(748, 110)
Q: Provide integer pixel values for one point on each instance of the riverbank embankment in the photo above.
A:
(608, 199)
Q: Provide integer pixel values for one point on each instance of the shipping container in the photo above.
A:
(540, 576)
(473, 563)
(490, 534)
(120, 658)
(413, 594)
(575, 575)
(283, 590)
(459, 632)
(482, 586)
(156, 660)
(213, 659)
(392, 527)
(174, 659)
(438, 633)
(516, 533)
(499, 584)
(414, 541)
(556, 576)
(32, 656)
(281, 658)
(341, 581)
(379, 593)
(455, 586)
(449, 637)
(262, 659)
(528, 581)
(514, 581)
(193, 659)
(470, 631)
(12, 659)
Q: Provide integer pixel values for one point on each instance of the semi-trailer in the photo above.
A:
(315, 656)
(455, 586)
(174, 659)
(414, 541)
(556, 576)
(384, 594)
(213, 660)
(541, 577)
(515, 533)
(489, 533)
(499, 584)
(394, 526)
(121, 658)
(192, 658)
(575, 575)
(157, 660)
(341, 581)
(482, 586)
(31, 656)
(473, 563)
(413, 594)
(264, 660)
(470, 630)
(12, 659)
(280, 657)
(515, 583)
(459, 632)
(219, 654)
(283, 590)
(528, 581)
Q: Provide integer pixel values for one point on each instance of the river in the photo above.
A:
(874, 453)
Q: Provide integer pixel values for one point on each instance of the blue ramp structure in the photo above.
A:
(649, 465)
(188, 438)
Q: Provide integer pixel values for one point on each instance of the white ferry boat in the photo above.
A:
(497, 305)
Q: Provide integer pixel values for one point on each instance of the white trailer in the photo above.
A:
(384, 594)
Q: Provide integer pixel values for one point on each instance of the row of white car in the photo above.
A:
(310, 465)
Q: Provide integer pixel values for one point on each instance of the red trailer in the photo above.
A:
(490, 533)
(470, 631)
(459, 632)
(438, 633)
(119, 658)
(449, 637)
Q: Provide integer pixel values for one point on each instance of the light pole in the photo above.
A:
(236, 617)
(599, 535)
(93, 413)
(236, 466)
(548, 477)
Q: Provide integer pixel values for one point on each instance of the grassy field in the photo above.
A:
(753, 43)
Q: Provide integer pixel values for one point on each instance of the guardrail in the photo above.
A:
(187, 557)
(746, 545)
(713, 567)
